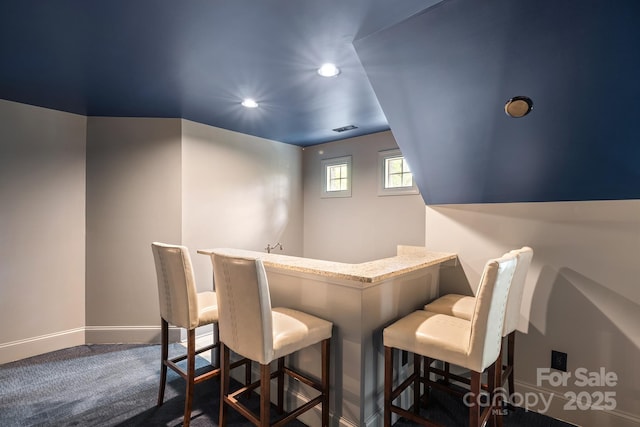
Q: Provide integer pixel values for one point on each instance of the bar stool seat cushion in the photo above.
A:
(457, 305)
(294, 330)
(207, 308)
(434, 335)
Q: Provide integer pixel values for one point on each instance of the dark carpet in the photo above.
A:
(104, 385)
(117, 385)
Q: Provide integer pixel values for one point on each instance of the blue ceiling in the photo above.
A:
(435, 72)
(197, 60)
(579, 61)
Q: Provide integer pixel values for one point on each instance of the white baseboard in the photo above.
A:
(128, 334)
(21, 349)
(582, 418)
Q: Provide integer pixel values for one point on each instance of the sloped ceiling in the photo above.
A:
(578, 60)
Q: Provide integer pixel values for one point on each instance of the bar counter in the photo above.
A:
(409, 258)
(360, 299)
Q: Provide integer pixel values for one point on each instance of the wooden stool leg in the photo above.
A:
(496, 397)
(427, 361)
(493, 382)
(224, 383)
(265, 395)
(216, 335)
(417, 359)
(247, 374)
(511, 341)
(326, 387)
(447, 372)
(164, 349)
(474, 408)
(280, 385)
(191, 367)
(388, 384)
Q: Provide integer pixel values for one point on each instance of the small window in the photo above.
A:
(395, 177)
(336, 177)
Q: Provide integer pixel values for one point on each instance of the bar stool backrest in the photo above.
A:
(488, 317)
(177, 291)
(244, 307)
(512, 317)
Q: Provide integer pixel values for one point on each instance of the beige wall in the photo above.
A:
(133, 198)
(238, 191)
(582, 289)
(179, 182)
(365, 226)
(42, 230)
(146, 179)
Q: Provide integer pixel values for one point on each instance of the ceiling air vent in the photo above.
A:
(343, 128)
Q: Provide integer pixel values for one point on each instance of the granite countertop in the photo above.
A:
(409, 258)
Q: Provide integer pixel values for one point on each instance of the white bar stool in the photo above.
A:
(181, 305)
(462, 306)
(473, 344)
(253, 329)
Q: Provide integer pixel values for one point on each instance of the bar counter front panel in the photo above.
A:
(360, 300)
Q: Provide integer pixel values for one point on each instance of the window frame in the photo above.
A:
(325, 165)
(382, 175)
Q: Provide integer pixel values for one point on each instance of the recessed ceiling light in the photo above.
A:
(328, 70)
(249, 103)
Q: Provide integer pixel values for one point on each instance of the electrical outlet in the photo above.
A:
(559, 360)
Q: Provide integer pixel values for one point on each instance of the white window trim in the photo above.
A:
(397, 191)
(325, 163)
